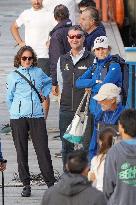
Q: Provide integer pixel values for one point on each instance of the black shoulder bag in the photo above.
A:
(31, 84)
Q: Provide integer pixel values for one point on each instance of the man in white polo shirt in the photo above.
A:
(38, 23)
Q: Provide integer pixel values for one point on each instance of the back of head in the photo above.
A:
(86, 3)
(61, 12)
(128, 122)
(106, 139)
(77, 162)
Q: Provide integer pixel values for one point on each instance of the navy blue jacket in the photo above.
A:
(89, 40)
(58, 46)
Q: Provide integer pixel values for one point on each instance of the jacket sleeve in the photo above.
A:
(46, 84)
(109, 181)
(56, 49)
(113, 76)
(86, 80)
(11, 86)
(59, 76)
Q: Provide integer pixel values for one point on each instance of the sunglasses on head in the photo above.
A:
(24, 58)
(78, 36)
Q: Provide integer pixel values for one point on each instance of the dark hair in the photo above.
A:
(61, 12)
(17, 58)
(86, 3)
(76, 28)
(94, 14)
(106, 137)
(128, 122)
(77, 161)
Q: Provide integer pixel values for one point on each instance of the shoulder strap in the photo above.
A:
(31, 84)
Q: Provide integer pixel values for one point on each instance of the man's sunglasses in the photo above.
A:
(24, 58)
(78, 36)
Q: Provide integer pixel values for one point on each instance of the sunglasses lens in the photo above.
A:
(78, 36)
(24, 58)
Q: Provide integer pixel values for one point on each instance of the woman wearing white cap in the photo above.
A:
(111, 107)
(103, 70)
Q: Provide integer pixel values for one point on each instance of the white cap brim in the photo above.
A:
(99, 97)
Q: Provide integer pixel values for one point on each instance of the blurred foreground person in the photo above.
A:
(74, 187)
(120, 166)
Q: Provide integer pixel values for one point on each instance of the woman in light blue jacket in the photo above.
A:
(26, 114)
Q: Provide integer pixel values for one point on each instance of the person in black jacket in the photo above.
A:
(58, 43)
(69, 68)
(74, 187)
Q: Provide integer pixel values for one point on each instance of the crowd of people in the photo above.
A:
(70, 59)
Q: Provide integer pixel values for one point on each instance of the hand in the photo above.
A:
(91, 176)
(21, 44)
(2, 166)
(88, 90)
(55, 90)
(98, 81)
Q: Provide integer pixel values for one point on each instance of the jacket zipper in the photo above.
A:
(31, 94)
(73, 91)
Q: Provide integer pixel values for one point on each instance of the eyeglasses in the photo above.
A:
(78, 36)
(24, 58)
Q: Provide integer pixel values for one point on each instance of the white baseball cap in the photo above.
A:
(108, 91)
(101, 42)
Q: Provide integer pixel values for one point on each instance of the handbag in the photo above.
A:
(75, 131)
(31, 84)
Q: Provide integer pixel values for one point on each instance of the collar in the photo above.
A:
(80, 53)
(62, 24)
(105, 60)
(130, 141)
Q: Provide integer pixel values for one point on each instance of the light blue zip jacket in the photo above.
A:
(22, 100)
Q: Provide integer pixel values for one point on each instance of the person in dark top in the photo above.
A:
(91, 24)
(74, 187)
(69, 68)
(58, 43)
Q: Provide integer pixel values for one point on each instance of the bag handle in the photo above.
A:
(31, 84)
(82, 102)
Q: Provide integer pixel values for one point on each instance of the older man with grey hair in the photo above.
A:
(111, 108)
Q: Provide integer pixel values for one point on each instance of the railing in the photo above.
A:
(111, 10)
(131, 61)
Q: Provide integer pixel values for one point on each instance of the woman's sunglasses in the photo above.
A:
(24, 58)
(78, 36)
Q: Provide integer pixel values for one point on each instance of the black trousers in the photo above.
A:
(37, 128)
(65, 118)
(44, 64)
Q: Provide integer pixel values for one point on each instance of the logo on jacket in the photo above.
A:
(127, 174)
(82, 67)
(66, 67)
